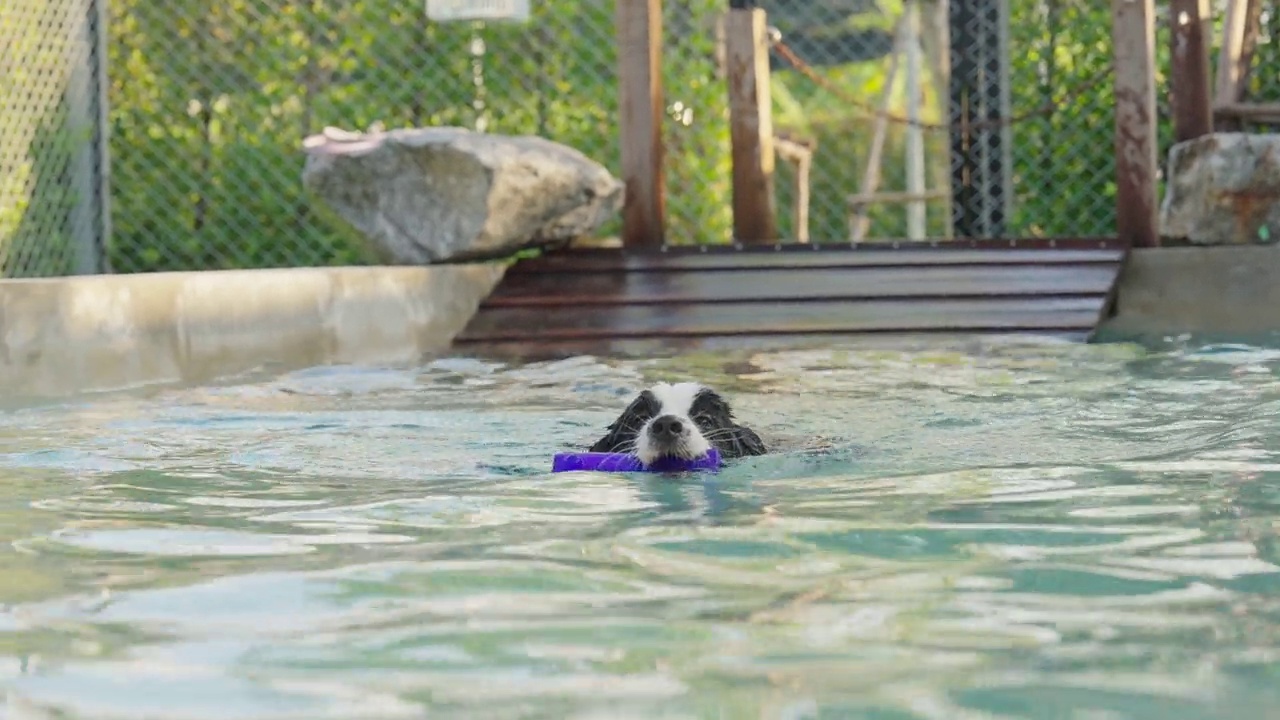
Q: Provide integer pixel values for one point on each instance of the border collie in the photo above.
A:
(681, 420)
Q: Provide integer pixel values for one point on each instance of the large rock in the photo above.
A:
(429, 195)
(1223, 189)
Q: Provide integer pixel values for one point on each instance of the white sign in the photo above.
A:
(452, 10)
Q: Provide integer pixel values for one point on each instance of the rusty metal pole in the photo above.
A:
(750, 123)
(1133, 36)
(1191, 32)
(639, 26)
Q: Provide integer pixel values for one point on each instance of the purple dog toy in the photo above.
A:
(621, 462)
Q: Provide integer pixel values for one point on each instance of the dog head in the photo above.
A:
(680, 420)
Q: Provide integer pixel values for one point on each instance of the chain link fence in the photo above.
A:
(210, 105)
(986, 118)
(1263, 84)
(51, 143)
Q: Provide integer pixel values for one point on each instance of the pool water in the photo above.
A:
(994, 529)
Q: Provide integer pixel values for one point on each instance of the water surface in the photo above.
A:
(999, 529)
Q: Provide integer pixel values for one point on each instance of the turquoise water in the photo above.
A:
(1003, 529)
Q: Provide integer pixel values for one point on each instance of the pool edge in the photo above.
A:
(66, 336)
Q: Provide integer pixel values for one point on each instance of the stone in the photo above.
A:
(430, 195)
(1223, 189)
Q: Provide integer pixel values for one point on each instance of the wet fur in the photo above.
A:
(708, 415)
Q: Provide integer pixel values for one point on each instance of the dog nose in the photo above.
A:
(667, 426)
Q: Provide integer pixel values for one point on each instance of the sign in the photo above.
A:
(454, 10)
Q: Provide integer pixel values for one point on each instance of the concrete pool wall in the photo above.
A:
(1230, 291)
(63, 336)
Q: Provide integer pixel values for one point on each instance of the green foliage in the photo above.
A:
(210, 103)
(1062, 161)
(37, 142)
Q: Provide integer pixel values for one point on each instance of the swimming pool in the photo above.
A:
(1001, 529)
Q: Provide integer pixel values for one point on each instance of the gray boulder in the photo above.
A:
(428, 195)
(1223, 189)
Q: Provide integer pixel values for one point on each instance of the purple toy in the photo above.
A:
(621, 462)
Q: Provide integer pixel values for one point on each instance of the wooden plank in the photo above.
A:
(769, 284)
(1133, 38)
(1256, 112)
(750, 126)
(632, 321)
(587, 262)
(859, 201)
(1191, 33)
(639, 25)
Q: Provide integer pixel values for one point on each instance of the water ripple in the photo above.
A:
(1011, 528)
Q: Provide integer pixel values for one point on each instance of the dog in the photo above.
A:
(680, 420)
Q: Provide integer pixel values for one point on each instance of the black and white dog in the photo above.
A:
(681, 420)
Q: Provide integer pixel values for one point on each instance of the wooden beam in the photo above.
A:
(1252, 29)
(1191, 33)
(1229, 71)
(1255, 112)
(798, 152)
(1133, 37)
(1240, 27)
(750, 126)
(859, 221)
(917, 211)
(860, 201)
(639, 25)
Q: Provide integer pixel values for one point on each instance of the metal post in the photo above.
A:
(82, 124)
(917, 217)
(979, 94)
(102, 138)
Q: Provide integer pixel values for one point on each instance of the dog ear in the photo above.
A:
(747, 442)
(709, 402)
(622, 432)
(610, 441)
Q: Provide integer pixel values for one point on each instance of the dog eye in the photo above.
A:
(702, 420)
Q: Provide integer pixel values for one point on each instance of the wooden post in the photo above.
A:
(859, 222)
(1240, 27)
(750, 124)
(1191, 32)
(917, 211)
(1133, 37)
(640, 86)
(799, 153)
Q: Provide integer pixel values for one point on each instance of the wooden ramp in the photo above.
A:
(590, 300)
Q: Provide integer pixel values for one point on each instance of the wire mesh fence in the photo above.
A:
(51, 120)
(1263, 84)
(210, 105)
(987, 118)
(983, 118)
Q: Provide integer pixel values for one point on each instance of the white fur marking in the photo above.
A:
(674, 399)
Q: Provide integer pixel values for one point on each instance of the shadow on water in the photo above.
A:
(997, 529)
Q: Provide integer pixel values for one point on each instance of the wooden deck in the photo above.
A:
(575, 299)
